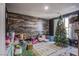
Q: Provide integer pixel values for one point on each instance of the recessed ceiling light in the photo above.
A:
(46, 7)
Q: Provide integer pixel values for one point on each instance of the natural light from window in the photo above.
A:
(66, 22)
(67, 26)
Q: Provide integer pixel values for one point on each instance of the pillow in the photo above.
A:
(42, 38)
(51, 38)
(34, 41)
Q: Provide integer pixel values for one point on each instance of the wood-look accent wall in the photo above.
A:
(24, 23)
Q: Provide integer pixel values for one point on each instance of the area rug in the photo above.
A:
(48, 49)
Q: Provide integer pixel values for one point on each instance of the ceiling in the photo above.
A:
(37, 9)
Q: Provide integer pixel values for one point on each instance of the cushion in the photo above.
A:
(51, 38)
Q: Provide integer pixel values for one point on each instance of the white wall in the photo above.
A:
(2, 29)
